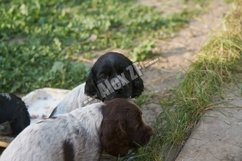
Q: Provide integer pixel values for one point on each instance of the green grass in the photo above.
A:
(40, 40)
(143, 98)
(215, 66)
(201, 2)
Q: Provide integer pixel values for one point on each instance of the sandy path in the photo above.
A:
(177, 54)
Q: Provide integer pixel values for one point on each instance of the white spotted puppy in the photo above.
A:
(114, 126)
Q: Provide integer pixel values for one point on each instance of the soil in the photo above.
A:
(177, 54)
(174, 54)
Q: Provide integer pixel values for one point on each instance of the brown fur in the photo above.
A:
(122, 127)
(68, 151)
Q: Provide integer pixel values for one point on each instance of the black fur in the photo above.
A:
(14, 111)
(108, 66)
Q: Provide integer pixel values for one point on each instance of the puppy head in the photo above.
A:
(113, 76)
(122, 127)
(14, 111)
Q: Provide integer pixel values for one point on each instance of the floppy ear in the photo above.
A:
(90, 87)
(137, 87)
(114, 138)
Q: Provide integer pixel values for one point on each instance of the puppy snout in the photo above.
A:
(149, 131)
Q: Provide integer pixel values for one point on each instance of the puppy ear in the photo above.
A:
(137, 87)
(22, 119)
(114, 137)
(90, 87)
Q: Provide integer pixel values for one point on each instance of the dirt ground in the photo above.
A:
(177, 54)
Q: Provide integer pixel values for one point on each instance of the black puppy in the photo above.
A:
(113, 76)
(14, 111)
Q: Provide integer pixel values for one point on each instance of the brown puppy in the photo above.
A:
(122, 127)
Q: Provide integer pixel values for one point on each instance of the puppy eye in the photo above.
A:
(102, 76)
(141, 113)
(137, 126)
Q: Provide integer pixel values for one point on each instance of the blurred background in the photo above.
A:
(52, 43)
